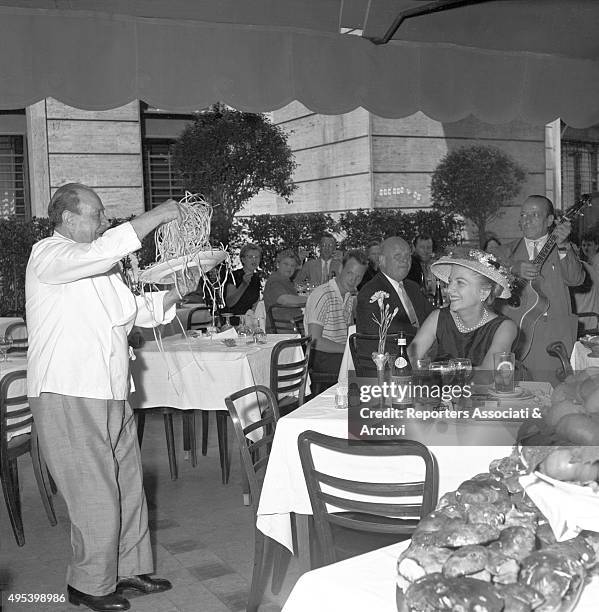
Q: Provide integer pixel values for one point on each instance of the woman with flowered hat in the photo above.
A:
(468, 327)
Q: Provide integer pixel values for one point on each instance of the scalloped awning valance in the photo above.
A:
(258, 55)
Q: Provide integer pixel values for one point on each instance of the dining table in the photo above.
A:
(188, 372)
(461, 448)
(580, 358)
(368, 582)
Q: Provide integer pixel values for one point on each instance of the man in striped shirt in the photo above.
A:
(329, 312)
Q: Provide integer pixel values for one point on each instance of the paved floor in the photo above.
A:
(202, 536)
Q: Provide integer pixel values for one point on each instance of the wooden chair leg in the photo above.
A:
(170, 444)
(14, 474)
(185, 421)
(258, 573)
(280, 564)
(11, 495)
(223, 444)
(190, 426)
(39, 468)
(205, 423)
(245, 485)
(141, 423)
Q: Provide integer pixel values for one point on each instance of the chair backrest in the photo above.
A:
(298, 322)
(371, 516)
(362, 346)
(558, 349)
(14, 332)
(15, 414)
(290, 378)
(205, 318)
(280, 319)
(255, 439)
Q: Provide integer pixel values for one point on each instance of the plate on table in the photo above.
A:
(518, 393)
(163, 273)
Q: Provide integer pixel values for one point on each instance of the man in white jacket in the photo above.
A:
(79, 312)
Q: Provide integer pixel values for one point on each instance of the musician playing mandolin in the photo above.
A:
(557, 267)
(469, 327)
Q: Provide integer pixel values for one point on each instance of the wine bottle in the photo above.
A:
(402, 374)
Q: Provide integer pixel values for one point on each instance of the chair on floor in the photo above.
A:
(17, 332)
(280, 319)
(15, 415)
(369, 523)
(362, 346)
(255, 441)
(298, 323)
(199, 312)
(558, 350)
(189, 435)
(288, 380)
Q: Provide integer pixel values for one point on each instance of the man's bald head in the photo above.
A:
(395, 258)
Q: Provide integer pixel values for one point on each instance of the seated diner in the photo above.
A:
(468, 327)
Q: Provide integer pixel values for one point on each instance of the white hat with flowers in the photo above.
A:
(479, 261)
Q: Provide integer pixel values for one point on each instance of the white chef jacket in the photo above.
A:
(79, 313)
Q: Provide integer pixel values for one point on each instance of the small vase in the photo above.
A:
(380, 359)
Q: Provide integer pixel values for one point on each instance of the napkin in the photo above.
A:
(229, 333)
(567, 513)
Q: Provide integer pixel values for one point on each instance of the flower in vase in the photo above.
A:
(386, 316)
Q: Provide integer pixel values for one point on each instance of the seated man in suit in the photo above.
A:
(394, 264)
(319, 271)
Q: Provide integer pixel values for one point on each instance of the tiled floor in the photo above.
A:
(202, 537)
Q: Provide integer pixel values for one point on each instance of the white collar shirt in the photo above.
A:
(404, 299)
(79, 313)
(530, 245)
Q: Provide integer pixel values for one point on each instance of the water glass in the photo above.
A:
(504, 372)
(463, 370)
(5, 345)
(243, 331)
(227, 324)
(211, 331)
(442, 372)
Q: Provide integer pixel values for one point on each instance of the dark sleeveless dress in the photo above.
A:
(472, 345)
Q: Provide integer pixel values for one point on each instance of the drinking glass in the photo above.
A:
(243, 331)
(442, 372)
(5, 345)
(227, 325)
(259, 333)
(504, 372)
(421, 371)
(211, 330)
(463, 370)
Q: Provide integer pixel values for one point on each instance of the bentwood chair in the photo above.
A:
(255, 441)
(280, 319)
(558, 350)
(15, 416)
(298, 325)
(288, 380)
(17, 332)
(360, 526)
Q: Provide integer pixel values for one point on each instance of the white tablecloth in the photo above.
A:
(6, 321)
(368, 582)
(347, 363)
(284, 490)
(199, 373)
(580, 360)
(14, 363)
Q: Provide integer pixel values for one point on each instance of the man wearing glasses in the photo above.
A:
(560, 269)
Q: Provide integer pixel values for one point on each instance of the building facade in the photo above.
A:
(345, 162)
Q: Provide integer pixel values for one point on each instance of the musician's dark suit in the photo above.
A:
(560, 323)
(364, 321)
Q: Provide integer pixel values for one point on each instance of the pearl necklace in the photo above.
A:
(463, 329)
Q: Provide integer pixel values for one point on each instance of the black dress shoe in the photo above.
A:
(144, 583)
(101, 603)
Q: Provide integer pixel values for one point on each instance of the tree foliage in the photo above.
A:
(476, 182)
(229, 156)
(362, 227)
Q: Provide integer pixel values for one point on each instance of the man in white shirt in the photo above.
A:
(560, 269)
(327, 266)
(79, 312)
(329, 312)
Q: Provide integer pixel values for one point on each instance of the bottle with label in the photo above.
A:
(402, 374)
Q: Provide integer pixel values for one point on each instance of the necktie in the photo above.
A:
(408, 306)
(535, 251)
(325, 272)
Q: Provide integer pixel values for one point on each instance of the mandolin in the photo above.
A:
(528, 303)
